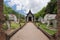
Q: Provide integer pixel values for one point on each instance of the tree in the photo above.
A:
(8, 10)
(52, 7)
(41, 13)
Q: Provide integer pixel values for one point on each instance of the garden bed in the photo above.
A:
(14, 26)
(46, 29)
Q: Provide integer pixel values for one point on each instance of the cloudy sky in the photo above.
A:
(23, 6)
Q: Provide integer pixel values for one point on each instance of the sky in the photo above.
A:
(23, 6)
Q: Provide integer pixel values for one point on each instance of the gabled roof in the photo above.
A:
(30, 13)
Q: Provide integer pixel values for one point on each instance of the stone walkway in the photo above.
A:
(29, 32)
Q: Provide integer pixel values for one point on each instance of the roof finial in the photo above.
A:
(29, 11)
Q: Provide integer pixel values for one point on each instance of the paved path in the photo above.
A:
(29, 32)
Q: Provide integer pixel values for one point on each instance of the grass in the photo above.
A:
(21, 24)
(44, 27)
(13, 25)
(4, 27)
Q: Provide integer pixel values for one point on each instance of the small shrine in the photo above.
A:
(30, 16)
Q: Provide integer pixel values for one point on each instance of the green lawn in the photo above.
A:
(13, 25)
(44, 27)
(4, 26)
(22, 24)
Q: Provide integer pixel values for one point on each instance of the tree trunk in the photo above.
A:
(58, 20)
(2, 34)
(2, 19)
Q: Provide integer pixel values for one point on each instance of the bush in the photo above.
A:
(14, 25)
(4, 27)
(44, 27)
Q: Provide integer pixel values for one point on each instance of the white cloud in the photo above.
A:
(34, 5)
(5, 0)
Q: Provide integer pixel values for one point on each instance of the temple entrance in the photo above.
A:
(30, 19)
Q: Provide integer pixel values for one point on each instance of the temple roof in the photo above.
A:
(29, 12)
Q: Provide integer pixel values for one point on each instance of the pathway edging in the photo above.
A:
(9, 36)
(49, 36)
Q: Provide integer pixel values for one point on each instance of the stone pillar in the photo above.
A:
(2, 34)
(58, 20)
